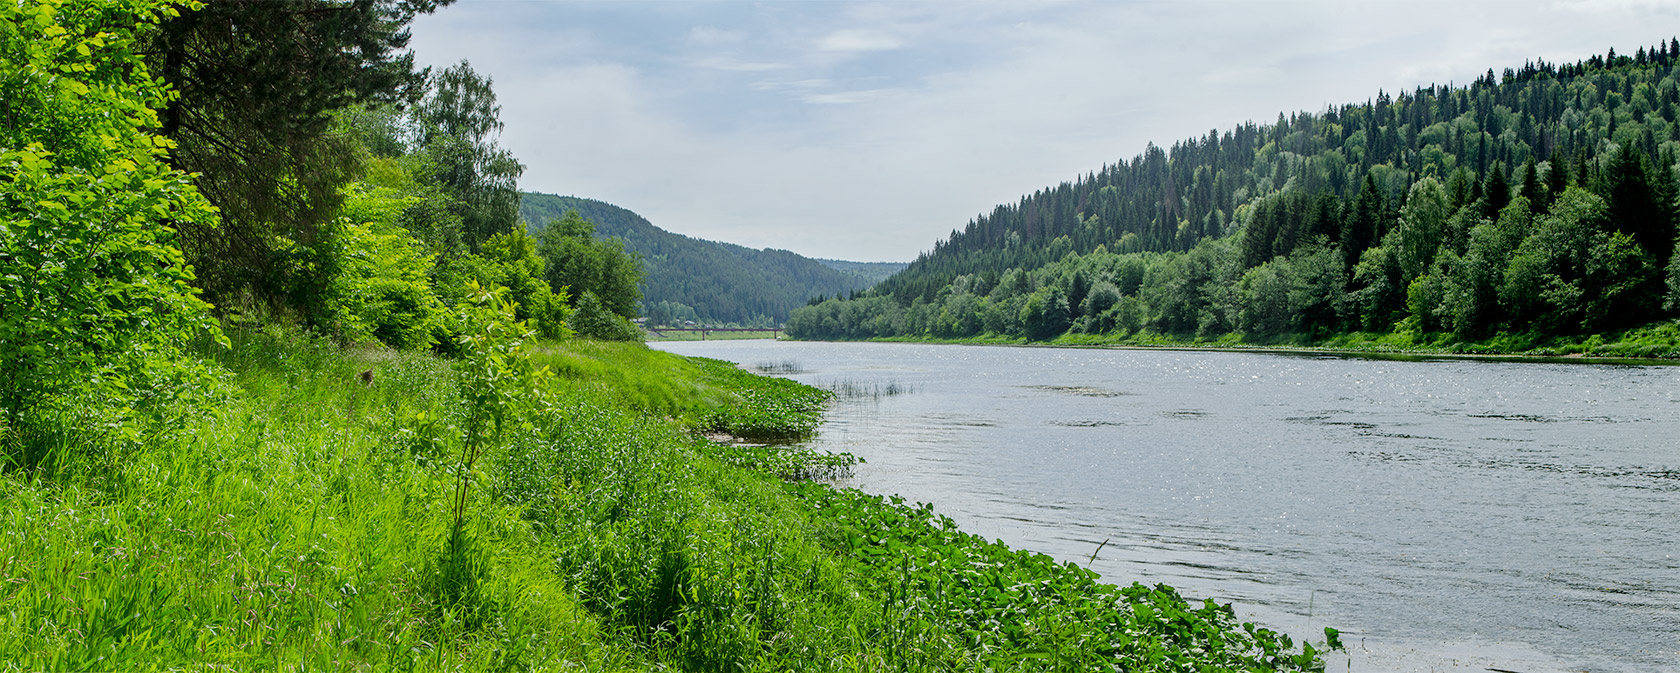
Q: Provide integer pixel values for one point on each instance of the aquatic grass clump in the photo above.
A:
(782, 368)
(790, 462)
(959, 601)
(849, 389)
(765, 408)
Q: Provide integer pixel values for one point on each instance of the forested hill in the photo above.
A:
(874, 272)
(692, 279)
(1359, 216)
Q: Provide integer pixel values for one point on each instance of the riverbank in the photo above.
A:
(319, 510)
(1656, 343)
(1306, 490)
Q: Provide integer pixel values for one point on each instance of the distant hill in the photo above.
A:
(705, 281)
(1544, 200)
(874, 272)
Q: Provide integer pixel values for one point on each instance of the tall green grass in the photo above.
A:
(305, 521)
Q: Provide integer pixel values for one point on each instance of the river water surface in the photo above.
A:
(1446, 515)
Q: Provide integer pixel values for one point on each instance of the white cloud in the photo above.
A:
(1593, 6)
(734, 65)
(961, 107)
(858, 40)
(783, 84)
(710, 36)
(846, 97)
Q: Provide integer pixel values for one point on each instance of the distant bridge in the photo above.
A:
(775, 332)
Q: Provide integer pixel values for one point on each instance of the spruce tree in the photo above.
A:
(1529, 185)
(257, 83)
(1635, 204)
(1557, 180)
(1496, 193)
(1364, 220)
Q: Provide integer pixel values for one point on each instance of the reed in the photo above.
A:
(848, 389)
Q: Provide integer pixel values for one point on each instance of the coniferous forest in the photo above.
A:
(691, 279)
(1536, 202)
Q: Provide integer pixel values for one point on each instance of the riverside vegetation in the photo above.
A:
(353, 424)
(306, 520)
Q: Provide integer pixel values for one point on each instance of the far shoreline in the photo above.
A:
(1400, 355)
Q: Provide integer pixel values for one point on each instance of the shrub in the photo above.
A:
(519, 268)
(96, 304)
(593, 320)
(379, 287)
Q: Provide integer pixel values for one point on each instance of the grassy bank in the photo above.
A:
(1655, 341)
(305, 519)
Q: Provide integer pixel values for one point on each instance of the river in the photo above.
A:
(1445, 515)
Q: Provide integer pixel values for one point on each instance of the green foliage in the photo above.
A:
(500, 387)
(709, 282)
(258, 82)
(1640, 201)
(96, 304)
(1671, 302)
(378, 287)
(955, 601)
(1301, 293)
(1379, 279)
(515, 265)
(1471, 297)
(457, 124)
(792, 462)
(1046, 313)
(1427, 301)
(765, 408)
(585, 266)
(1263, 292)
(1421, 229)
(429, 214)
(671, 313)
(394, 279)
(1572, 274)
(592, 319)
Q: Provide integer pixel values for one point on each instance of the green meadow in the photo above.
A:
(331, 508)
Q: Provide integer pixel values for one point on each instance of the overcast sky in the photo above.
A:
(867, 131)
